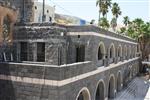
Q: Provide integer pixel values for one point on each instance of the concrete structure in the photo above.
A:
(31, 11)
(55, 62)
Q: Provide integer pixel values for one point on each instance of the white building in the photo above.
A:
(38, 12)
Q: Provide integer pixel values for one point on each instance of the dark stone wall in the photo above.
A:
(10, 90)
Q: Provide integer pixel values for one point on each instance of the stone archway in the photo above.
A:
(111, 87)
(119, 81)
(83, 94)
(101, 51)
(125, 52)
(119, 52)
(111, 53)
(100, 91)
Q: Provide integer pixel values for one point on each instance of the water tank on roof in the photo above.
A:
(82, 22)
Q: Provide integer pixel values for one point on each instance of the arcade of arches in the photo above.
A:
(102, 91)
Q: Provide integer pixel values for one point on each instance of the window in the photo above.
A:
(101, 51)
(111, 52)
(41, 52)
(80, 53)
(35, 7)
(50, 19)
(100, 54)
(47, 11)
(23, 51)
(119, 52)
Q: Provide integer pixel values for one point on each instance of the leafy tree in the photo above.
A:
(113, 23)
(122, 30)
(104, 6)
(104, 23)
(116, 12)
(126, 20)
(99, 4)
(140, 31)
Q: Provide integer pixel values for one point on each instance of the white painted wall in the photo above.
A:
(49, 12)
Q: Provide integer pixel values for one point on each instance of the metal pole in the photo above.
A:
(43, 17)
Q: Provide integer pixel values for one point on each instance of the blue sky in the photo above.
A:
(86, 9)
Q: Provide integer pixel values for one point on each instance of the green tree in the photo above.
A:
(99, 4)
(104, 6)
(122, 30)
(116, 12)
(140, 31)
(104, 23)
(113, 23)
(126, 20)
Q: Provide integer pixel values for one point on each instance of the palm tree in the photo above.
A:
(113, 23)
(104, 23)
(103, 8)
(99, 3)
(106, 4)
(140, 31)
(126, 20)
(116, 12)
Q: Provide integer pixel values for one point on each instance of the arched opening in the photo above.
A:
(119, 81)
(100, 91)
(130, 75)
(111, 53)
(129, 52)
(119, 53)
(101, 51)
(84, 94)
(111, 88)
(125, 52)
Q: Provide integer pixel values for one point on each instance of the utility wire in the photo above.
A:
(61, 7)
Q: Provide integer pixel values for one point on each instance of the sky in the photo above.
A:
(86, 9)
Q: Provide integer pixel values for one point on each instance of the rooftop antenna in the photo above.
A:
(43, 16)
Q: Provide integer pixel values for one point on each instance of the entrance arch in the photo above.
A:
(119, 81)
(111, 87)
(83, 94)
(100, 91)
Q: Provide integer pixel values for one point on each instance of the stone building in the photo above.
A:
(31, 11)
(58, 62)
(55, 62)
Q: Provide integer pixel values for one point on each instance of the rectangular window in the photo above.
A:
(23, 51)
(41, 52)
(80, 53)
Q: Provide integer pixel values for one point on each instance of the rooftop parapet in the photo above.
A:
(72, 28)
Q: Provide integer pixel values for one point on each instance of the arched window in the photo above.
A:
(119, 51)
(125, 52)
(101, 51)
(112, 51)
